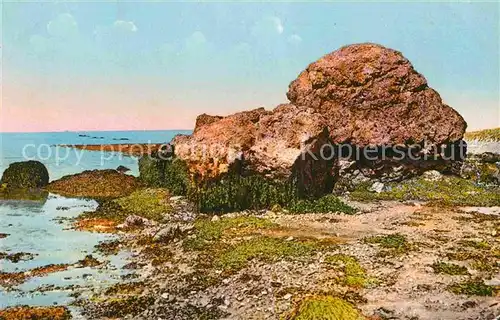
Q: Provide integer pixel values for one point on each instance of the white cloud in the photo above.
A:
(125, 25)
(294, 39)
(195, 41)
(119, 31)
(268, 26)
(63, 26)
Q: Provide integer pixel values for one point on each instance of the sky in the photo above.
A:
(155, 65)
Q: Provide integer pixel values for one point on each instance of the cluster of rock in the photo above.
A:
(359, 113)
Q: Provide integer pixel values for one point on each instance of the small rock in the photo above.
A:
(287, 296)
(215, 218)
(135, 221)
(122, 169)
(377, 187)
(432, 175)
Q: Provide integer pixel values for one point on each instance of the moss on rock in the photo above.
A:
(165, 173)
(449, 268)
(324, 308)
(237, 193)
(449, 191)
(151, 204)
(354, 273)
(392, 244)
(207, 231)
(268, 249)
(25, 175)
(98, 184)
(474, 287)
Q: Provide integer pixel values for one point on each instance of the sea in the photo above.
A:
(42, 227)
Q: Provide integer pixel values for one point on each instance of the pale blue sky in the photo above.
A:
(119, 65)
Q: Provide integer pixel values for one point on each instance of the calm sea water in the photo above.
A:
(35, 226)
(61, 161)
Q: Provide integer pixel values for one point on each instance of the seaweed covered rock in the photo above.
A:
(282, 145)
(158, 171)
(95, 184)
(25, 175)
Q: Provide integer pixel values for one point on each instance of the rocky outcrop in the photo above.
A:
(280, 145)
(25, 175)
(371, 95)
(98, 184)
(357, 114)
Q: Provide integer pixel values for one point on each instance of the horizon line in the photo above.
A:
(106, 130)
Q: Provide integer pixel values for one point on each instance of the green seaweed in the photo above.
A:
(393, 244)
(324, 308)
(449, 191)
(268, 249)
(151, 204)
(449, 268)
(165, 173)
(207, 231)
(475, 287)
(354, 274)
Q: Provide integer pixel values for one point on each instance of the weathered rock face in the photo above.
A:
(279, 145)
(25, 175)
(358, 97)
(371, 95)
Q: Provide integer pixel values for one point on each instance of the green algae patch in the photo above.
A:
(207, 231)
(171, 174)
(484, 135)
(354, 274)
(475, 287)
(392, 244)
(35, 313)
(237, 193)
(449, 268)
(326, 204)
(263, 248)
(151, 204)
(324, 308)
(449, 191)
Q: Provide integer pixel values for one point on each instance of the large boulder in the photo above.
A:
(371, 95)
(25, 175)
(372, 98)
(359, 97)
